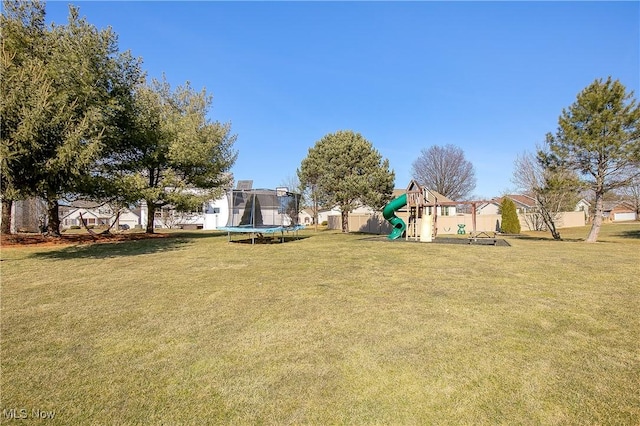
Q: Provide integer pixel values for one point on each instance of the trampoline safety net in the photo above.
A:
(263, 209)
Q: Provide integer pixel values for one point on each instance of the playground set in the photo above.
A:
(422, 207)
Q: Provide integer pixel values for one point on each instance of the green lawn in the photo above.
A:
(330, 329)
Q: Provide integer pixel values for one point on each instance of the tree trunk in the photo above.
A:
(53, 216)
(345, 221)
(315, 207)
(548, 215)
(151, 214)
(554, 231)
(547, 218)
(597, 220)
(6, 216)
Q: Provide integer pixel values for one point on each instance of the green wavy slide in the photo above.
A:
(389, 213)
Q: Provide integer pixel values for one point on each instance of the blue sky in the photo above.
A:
(489, 77)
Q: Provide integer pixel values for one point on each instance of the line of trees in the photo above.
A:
(80, 120)
(344, 169)
(595, 148)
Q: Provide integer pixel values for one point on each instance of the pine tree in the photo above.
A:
(510, 222)
(64, 89)
(598, 137)
(178, 155)
(344, 170)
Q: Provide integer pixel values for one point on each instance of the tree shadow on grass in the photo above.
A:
(103, 250)
(440, 240)
(544, 238)
(268, 239)
(629, 234)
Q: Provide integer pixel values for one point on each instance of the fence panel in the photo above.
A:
(376, 224)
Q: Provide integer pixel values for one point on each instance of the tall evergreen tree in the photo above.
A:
(23, 103)
(74, 81)
(177, 155)
(509, 215)
(346, 171)
(598, 136)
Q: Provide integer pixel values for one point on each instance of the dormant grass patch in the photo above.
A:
(331, 328)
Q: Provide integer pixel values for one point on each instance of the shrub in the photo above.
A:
(510, 222)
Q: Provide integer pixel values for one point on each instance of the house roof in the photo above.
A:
(91, 208)
(84, 212)
(398, 192)
(520, 199)
(523, 200)
(441, 198)
(617, 206)
(84, 204)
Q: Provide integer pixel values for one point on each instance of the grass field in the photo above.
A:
(329, 329)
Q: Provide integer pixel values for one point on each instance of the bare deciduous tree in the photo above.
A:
(631, 194)
(553, 189)
(445, 170)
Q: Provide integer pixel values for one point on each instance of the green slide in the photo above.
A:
(389, 213)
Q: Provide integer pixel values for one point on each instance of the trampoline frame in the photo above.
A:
(256, 232)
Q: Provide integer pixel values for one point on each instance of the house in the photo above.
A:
(524, 204)
(583, 206)
(306, 216)
(96, 215)
(214, 214)
(323, 214)
(30, 215)
(618, 211)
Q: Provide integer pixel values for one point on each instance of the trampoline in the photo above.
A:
(262, 214)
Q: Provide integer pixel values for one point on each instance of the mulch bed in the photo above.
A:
(445, 240)
(38, 240)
